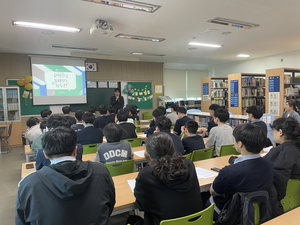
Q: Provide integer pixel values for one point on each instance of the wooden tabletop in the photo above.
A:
(25, 171)
(291, 218)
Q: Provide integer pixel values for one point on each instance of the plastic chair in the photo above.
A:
(201, 154)
(5, 138)
(228, 150)
(120, 168)
(188, 156)
(292, 197)
(204, 217)
(134, 142)
(89, 149)
(147, 115)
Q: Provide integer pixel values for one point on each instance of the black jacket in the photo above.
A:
(103, 120)
(70, 192)
(71, 119)
(118, 104)
(177, 143)
(193, 143)
(161, 200)
(128, 130)
(179, 123)
(90, 135)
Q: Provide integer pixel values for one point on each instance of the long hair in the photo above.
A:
(167, 164)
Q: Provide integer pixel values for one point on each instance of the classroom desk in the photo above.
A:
(143, 126)
(28, 152)
(291, 218)
(25, 171)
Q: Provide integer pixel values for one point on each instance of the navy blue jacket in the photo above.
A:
(179, 123)
(103, 120)
(90, 135)
(193, 143)
(71, 119)
(177, 143)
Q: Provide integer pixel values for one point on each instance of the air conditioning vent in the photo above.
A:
(73, 47)
(233, 23)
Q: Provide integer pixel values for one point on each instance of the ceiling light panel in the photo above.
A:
(127, 4)
(243, 55)
(147, 54)
(233, 23)
(205, 45)
(74, 47)
(45, 26)
(140, 38)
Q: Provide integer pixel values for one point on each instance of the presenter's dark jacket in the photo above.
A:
(179, 123)
(167, 200)
(103, 120)
(192, 143)
(90, 135)
(286, 160)
(118, 104)
(41, 160)
(71, 119)
(69, 192)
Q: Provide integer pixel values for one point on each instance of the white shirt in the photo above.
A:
(173, 117)
(33, 132)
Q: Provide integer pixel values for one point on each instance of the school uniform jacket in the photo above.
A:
(192, 142)
(179, 123)
(89, 135)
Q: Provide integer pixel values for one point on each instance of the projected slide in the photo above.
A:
(58, 84)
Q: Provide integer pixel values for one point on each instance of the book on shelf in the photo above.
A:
(253, 81)
(218, 93)
(261, 91)
(219, 102)
(219, 84)
(291, 91)
(287, 78)
(247, 102)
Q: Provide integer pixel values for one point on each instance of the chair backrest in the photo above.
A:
(188, 156)
(88, 149)
(147, 115)
(201, 154)
(134, 142)
(228, 150)
(292, 197)
(204, 217)
(9, 129)
(120, 168)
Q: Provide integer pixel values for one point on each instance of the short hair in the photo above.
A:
(163, 109)
(112, 109)
(88, 117)
(163, 123)
(92, 109)
(214, 107)
(292, 103)
(45, 113)
(174, 106)
(66, 109)
(122, 115)
(43, 125)
(255, 111)
(252, 137)
(181, 110)
(60, 141)
(32, 121)
(102, 109)
(132, 109)
(112, 132)
(157, 113)
(78, 115)
(58, 121)
(117, 89)
(222, 115)
(192, 126)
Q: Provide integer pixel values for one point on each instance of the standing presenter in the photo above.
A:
(117, 101)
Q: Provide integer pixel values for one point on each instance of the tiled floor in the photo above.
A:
(10, 175)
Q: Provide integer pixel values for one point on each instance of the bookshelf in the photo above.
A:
(245, 90)
(282, 84)
(214, 91)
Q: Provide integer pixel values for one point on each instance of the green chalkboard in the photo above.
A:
(26, 104)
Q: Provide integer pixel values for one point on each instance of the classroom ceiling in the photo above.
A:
(178, 21)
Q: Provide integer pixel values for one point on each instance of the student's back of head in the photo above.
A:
(174, 107)
(78, 115)
(60, 141)
(214, 107)
(46, 113)
(92, 109)
(111, 110)
(163, 109)
(88, 118)
(164, 124)
(66, 109)
(181, 110)
(222, 115)
(112, 132)
(157, 113)
(43, 125)
(255, 111)
(252, 137)
(102, 109)
(122, 115)
(192, 126)
(57, 121)
(32, 121)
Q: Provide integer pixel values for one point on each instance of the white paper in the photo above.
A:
(142, 135)
(131, 184)
(144, 121)
(140, 153)
(203, 173)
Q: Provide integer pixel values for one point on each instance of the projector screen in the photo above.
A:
(58, 81)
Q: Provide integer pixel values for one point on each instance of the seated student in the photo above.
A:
(93, 110)
(155, 114)
(79, 124)
(182, 119)
(114, 150)
(173, 115)
(52, 123)
(212, 108)
(33, 130)
(286, 156)
(112, 114)
(103, 119)
(192, 141)
(168, 188)
(221, 134)
(249, 173)
(45, 114)
(128, 129)
(68, 191)
(67, 111)
(37, 142)
(163, 124)
(90, 134)
(133, 111)
(254, 115)
(290, 110)
(164, 111)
